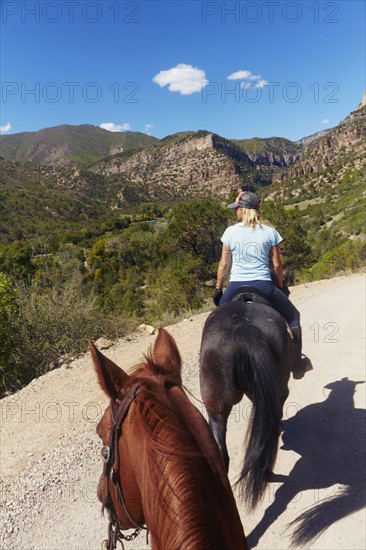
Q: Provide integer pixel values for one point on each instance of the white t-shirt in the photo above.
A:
(250, 247)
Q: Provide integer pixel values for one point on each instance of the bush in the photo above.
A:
(8, 308)
(196, 227)
(50, 324)
(175, 288)
(349, 256)
(296, 252)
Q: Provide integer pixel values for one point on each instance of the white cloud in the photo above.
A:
(259, 84)
(262, 83)
(325, 121)
(249, 80)
(5, 128)
(148, 128)
(244, 75)
(183, 78)
(112, 127)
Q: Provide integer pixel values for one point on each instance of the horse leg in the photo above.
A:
(284, 396)
(218, 423)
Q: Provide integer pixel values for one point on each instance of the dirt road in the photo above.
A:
(50, 460)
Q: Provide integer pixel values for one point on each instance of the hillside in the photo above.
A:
(313, 138)
(68, 145)
(343, 146)
(181, 166)
(48, 201)
(47, 187)
(328, 182)
(200, 157)
(275, 150)
(270, 154)
(195, 164)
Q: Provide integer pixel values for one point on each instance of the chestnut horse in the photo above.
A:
(162, 465)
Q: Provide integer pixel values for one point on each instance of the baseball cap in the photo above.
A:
(245, 199)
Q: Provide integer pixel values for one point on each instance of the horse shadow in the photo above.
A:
(330, 437)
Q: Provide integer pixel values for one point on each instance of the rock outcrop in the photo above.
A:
(186, 166)
(346, 142)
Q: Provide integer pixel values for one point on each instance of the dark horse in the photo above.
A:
(247, 349)
(162, 465)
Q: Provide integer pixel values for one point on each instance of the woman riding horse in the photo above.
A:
(248, 246)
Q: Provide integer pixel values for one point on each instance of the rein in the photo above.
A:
(111, 472)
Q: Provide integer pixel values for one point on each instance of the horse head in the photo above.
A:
(118, 489)
(161, 463)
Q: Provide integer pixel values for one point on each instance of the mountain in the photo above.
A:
(58, 195)
(138, 167)
(270, 154)
(68, 145)
(197, 164)
(81, 146)
(274, 151)
(328, 182)
(76, 182)
(343, 146)
(184, 165)
(313, 138)
(36, 201)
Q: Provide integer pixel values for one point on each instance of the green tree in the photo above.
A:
(119, 265)
(175, 287)
(151, 210)
(349, 255)
(16, 259)
(296, 251)
(8, 307)
(196, 227)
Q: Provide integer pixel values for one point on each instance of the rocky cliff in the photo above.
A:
(328, 183)
(313, 138)
(344, 145)
(189, 165)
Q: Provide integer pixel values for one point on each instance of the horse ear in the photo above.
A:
(111, 377)
(166, 356)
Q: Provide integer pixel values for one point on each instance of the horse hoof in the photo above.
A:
(298, 375)
(306, 366)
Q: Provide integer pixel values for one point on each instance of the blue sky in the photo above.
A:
(240, 69)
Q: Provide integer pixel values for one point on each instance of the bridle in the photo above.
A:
(111, 472)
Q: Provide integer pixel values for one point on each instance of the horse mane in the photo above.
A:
(155, 406)
(179, 460)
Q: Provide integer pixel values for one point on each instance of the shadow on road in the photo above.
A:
(331, 438)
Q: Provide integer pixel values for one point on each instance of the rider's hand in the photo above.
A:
(217, 295)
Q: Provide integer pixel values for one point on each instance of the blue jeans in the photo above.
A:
(276, 298)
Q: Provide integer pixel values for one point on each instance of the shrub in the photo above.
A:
(52, 323)
(196, 227)
(175, 287)
(8, 308)
(296, 252)
(349, 256)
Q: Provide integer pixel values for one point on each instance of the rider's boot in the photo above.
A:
(302, 363)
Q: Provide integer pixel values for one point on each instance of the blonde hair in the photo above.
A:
(251, 217)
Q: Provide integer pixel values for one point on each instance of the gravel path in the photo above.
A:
(50, 455)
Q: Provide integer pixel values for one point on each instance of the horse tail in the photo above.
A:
(259, 373)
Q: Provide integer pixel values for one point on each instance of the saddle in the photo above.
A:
(250, 295)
